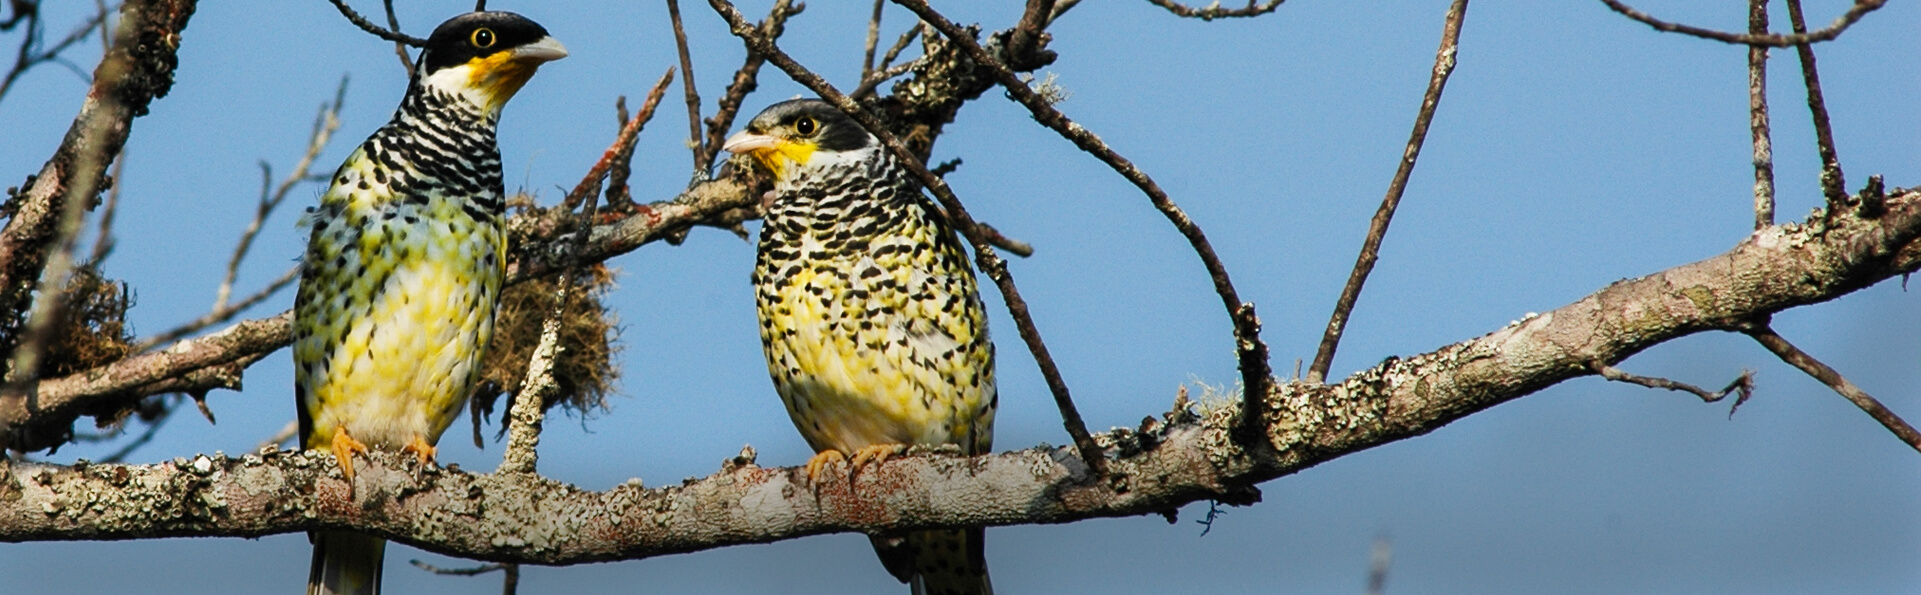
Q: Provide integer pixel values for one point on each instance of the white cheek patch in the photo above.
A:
(457, 81)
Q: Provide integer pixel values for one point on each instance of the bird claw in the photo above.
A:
(423, 452)
(819, 463)
(344, 447)
(873, 454)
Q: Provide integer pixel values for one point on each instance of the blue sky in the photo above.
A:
(1573, 148)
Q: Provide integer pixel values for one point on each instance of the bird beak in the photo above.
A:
(546, 49)
(744, 142)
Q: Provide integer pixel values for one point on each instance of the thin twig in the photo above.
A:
(281, 437)
(1832, 184)
(1742, 385)
(325, 123)
(400, 49)
(984, 256)
(1214, 11)
(30, 55)
(468, 571)
(694, 141)
(221, 313)
(368, 26)
(1765, 335)
(887, 71)
(745, 82)
(103, 235)
(1444, 61)
(589, 185)
(1854, 14)
(1758, 117)
(873, 40)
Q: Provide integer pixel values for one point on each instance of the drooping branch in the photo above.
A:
(1860, 9)
(1178, 458)
(1215, 11)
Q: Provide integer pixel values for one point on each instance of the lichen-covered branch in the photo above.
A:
(1180, 457)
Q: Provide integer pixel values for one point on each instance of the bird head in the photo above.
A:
(799, 135)
(485, 57)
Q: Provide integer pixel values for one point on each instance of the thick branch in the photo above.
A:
(526, 518)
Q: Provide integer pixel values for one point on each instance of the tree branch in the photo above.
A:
(1854, 14)
(1182, 457)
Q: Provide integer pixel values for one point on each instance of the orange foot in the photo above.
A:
(874, 454)
(344, 447)
(819, 463)
(421, 449)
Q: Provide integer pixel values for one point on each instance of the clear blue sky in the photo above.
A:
(1574, 148)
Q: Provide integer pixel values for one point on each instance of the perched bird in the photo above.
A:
(403, 270)
(870, 317)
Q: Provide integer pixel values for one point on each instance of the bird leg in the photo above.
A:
(344, 447)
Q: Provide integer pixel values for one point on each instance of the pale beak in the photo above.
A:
(744, 142)
(546, 49)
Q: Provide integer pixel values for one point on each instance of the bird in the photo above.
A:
(403, 268)
(870, 318)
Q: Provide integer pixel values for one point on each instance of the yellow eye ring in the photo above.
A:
(806, 126)
(482, 38)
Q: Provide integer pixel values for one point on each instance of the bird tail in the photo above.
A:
(938, 562)
(345, 563)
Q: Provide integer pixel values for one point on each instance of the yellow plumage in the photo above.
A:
(870, 317)
(404, 266)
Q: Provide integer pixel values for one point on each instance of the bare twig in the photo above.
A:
(1860, 9)
(745, 82)
(103, 240)
(1214, 11)
(400, 49)
(871, 79)
(325, 123)
(1742, 385)
(589, 185)
(1832, 184)
(1765, 335)
(1444, 61)
(281, 437)
(31, 54)
(873, 40)
(221, 313)
(393, 35)
(985, 258)
(694, 141)
(1758, 117)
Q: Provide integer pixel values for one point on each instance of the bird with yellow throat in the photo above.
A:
(870, 318)
(404, 268)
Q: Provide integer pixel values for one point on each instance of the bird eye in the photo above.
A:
(483, 38)
(806, 126)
